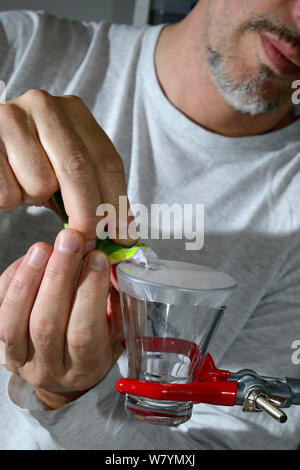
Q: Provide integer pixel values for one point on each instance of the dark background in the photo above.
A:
(116, 11)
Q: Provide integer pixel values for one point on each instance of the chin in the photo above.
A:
(254, 93)
(255, 101)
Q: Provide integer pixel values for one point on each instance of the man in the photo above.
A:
(200, 112)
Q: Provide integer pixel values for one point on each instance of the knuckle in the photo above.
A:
(43, 334)
(18, 288)
(35, 96)
(10, 341)
(44, 185)
(75, 99)
(12, 353)
(43, 182)
(14, 363)
(80, 340)
(58, 274)
(78, 166)
(39, 378)
(86, 290)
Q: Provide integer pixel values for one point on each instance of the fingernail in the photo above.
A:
(2, 353)
(68, 242)
(38, 258)
(97, 261)
(90, 246)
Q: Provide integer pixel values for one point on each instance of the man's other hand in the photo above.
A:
(61, 336)
(50, 142)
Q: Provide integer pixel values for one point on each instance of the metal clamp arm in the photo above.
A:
(294, 385)
(269, 394)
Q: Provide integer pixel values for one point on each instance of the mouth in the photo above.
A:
(282, 56)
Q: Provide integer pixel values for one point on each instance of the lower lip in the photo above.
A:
(278, 60)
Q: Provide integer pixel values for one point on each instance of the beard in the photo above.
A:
(245, 95)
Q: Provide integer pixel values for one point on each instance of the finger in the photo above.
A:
(5, 280)
(108, 166)
(70, 160)
(26, 157)
(50, 313)
(10, 192)
(88, 340)
(7, 276)
(17, 304)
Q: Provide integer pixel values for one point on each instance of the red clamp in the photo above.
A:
(209, 384)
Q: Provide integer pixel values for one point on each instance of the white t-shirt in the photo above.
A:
(250, 189)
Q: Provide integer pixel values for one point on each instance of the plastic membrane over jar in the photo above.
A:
(170, 314)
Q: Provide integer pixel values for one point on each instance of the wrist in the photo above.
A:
(54, 401)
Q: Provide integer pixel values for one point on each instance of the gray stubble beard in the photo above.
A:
(244, 95)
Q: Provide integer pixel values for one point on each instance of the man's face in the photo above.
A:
(253, 50)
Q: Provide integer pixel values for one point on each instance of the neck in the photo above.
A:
(186, 81)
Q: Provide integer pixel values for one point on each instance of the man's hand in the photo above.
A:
(49, 142)
(61, 338)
